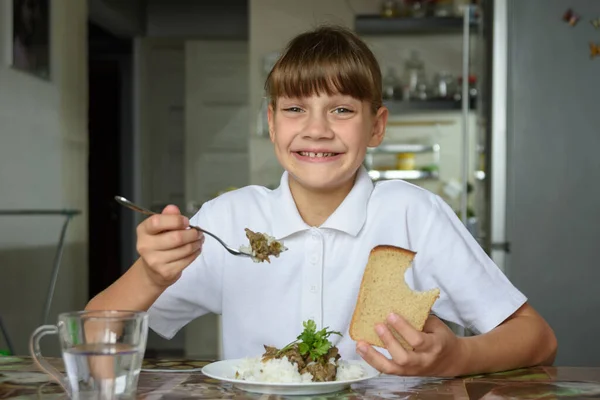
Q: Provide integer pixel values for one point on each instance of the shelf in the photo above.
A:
(377, 175)
(403, 148)
(403, 107)
(377, 25)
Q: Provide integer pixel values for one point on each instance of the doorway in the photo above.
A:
(110, 133)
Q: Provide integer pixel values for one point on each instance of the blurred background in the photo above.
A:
(493, 106)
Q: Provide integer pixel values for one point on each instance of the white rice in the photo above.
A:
(283, 371)
(348, 372)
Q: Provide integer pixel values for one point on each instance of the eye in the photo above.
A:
(293, 109)
(342, 110)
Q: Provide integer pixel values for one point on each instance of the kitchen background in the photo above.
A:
(162, 102)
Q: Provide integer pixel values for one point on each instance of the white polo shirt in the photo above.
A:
(319, 276)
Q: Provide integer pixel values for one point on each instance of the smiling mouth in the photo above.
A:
(316, 155)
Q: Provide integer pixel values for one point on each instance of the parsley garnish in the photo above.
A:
(312, 342)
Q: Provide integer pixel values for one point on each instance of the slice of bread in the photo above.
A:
(383, 290)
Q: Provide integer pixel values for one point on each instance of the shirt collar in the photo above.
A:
(349, 217)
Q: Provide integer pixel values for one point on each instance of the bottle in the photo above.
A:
(472, 89)
(392, 87)
(414, 69)
(389, 9)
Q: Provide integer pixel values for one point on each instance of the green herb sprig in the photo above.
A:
(311, 341)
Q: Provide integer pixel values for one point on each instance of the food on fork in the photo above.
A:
(383, 291)
(262, 246)
(309, 358)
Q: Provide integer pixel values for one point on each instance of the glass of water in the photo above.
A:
(102, 352)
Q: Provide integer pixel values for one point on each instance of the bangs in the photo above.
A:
(326, 62)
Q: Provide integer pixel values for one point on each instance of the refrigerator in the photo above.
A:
(539, 139)
(534, 168)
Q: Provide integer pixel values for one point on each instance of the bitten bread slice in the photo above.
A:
(383, 290)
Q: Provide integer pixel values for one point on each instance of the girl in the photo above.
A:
(325, 111)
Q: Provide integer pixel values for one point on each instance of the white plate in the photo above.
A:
(225, 371)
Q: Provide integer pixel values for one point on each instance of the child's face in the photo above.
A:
(322, 140)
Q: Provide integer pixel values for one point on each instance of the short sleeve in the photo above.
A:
(198, 290)
(474, 292)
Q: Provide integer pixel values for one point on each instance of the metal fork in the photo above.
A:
(124, 202)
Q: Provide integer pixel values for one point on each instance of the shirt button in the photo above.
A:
(313, 288)
(315, 235)
(314, 259)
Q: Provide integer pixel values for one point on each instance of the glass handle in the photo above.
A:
(36, 353)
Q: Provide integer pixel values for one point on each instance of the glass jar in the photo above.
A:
(405, 161)
(392, 86)
(414, 70)
(444, 8)
(390, 9)
(444, 85)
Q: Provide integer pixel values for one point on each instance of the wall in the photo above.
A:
(159, 104)
(43, 157)
(121, 18)
(274, 22)
(194, 57)
(224, 19)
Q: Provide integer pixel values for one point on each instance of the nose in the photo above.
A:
(317, 127)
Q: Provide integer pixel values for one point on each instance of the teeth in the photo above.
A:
(312, 154)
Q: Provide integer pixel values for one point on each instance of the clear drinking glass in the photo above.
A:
(102, 352)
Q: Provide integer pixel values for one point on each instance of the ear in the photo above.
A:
(270, 117)
(378, 129)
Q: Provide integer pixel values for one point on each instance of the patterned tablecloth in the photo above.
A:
(181, 379)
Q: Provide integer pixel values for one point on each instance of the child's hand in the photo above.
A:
(167, 245)
(436, 349)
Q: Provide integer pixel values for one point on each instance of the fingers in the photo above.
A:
(170, 220)
(179, 265)
(174, 254)
(165, 231)
(168, 245)
(428, 347)
(378, 360)
(171, 210)
(169, 240)
(413, 337)
(166, 267)
(163, 222)
(402, 359)
(393, 346)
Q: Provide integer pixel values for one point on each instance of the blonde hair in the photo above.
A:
(331, 60)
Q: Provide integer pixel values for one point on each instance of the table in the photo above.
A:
(20, 378)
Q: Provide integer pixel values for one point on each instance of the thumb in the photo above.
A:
(171, 210)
